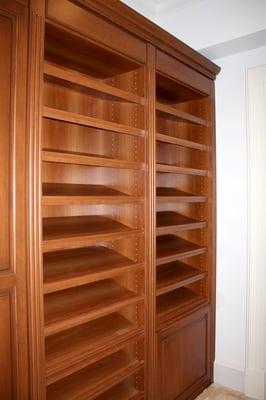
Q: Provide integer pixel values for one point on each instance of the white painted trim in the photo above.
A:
(254, 383)
(229, 377)
(256, 319)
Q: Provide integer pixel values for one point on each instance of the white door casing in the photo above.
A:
(256, 301)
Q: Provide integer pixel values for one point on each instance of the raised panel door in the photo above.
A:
(13, 311)
(183, 362)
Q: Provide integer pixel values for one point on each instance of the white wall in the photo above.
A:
(232, 216)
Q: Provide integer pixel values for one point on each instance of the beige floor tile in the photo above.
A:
(216, 392)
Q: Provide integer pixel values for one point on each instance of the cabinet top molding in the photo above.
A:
(124, 16)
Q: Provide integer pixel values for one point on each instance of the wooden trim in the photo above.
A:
(36, 320)
(212, 231)
(151, 216)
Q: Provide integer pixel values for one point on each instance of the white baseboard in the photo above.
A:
(255, 383)
(229, 377)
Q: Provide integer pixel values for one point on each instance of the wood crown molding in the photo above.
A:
(130, 20)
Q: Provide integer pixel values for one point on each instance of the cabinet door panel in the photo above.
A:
(5, 347)
(6, 27)
(184, 356)
(13, 66)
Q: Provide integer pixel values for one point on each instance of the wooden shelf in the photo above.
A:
(66, 269)
(95, 379)
(82, 344)
(172, 91)
(54, 194)
(79, 119)
(167, 194)
(67, 157)
(74, 79)
(172, 302)
(173, 169)
(65, 45)
(168, 222)
(179, 115)
(181, 142)
(175, 275)
(72, 307)
(171, 248)
(123, 391)
(73, 232)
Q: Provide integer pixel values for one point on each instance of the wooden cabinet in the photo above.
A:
(13, 306)
(184, 356)
(117, 209)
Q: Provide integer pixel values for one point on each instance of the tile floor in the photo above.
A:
(216, 392)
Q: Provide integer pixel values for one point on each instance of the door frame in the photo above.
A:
(256, 299)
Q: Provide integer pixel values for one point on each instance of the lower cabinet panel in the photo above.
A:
(183, 356)
(5, 347)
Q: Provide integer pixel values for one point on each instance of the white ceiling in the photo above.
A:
(153, 8)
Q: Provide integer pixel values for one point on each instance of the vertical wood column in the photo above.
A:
(212, 222)
(35, 78)
(13, 306)
(151, 215)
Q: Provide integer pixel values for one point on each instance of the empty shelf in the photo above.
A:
(72, 232)
(170, 222)
(123, 391)
(67, 194)
(172, 248)
(80, 344)
(172, 91)
(79, 119)
(95, 379)
(174, 169)
(72, 307)
(172, 302)
(179, 115)
(175, 275)
(168, 194)
(65, 269)
(69, 157)
(74, 79)
(181, 142)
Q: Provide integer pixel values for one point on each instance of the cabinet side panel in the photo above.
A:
(6, 27)
(13, 311)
